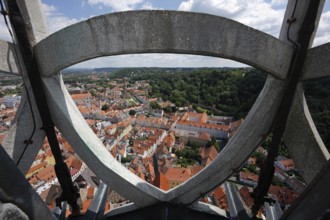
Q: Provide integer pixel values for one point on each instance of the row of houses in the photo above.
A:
(198, 122)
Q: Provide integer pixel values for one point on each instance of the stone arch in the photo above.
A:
(162, 32)
(129, 32)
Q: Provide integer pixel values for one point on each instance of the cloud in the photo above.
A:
(279, 2)
(255, 13)
(266, 16)
(148, 6)
(323, 31)
(158, 60)
(56, 20)
(117, 5)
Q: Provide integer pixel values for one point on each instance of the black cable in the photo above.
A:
(70, 192)
(267, 172)
(290, 21)
(301, 47)
(29, 140)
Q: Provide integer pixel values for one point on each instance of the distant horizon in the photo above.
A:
(154, 67)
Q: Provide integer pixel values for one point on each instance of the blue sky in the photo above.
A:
(265, 15)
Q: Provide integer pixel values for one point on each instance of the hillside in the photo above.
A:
(232, 91)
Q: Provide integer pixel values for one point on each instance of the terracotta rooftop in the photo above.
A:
(284, 195)
(68, 147)
(37, 167)
(47, 174)
(178, 174)
(246, 196)
(208, 154)
(204, 136)
(248, 176)
(81, 96)
(72, 162)
(161, 182)
(204, 125)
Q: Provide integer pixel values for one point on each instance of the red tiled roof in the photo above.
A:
(234, 125)
(68, 147)
(208, 153)
(204, 136)
(47, 174)
(245, 194)
(249, 176)
(204, 125)
(85, 111)
(81, 96)
(85, 205)
(37, 167)
(90, 193)
(161, 182)
(124, 123)
(218, 193)
(283, 195)
(72, 162)
(178, 174)
(196, 169)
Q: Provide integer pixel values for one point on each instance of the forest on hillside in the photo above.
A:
(317, 93)
(230, 91)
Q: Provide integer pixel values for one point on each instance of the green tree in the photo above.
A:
(105, 107)
(168, 109)
(155, 105)
(132, 112)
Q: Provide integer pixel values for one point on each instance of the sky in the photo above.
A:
(264, 15)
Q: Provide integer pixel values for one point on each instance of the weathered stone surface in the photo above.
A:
(8, 62)
(9, 211)
(208, 208)
(317, 62)
(302, 139)
(167, 211)
(162, 32)
(301, 136)
(21, 130)
(298, 11)
(167, 32)
(35, 19)
(120, 210)
(22, 126)
(118, 38)
(141, 32)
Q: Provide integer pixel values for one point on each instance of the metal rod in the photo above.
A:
(21, 31)
(301, 45)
